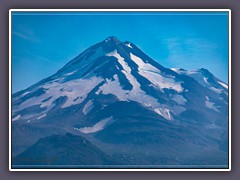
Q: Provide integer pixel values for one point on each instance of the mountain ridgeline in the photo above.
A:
(127, 107)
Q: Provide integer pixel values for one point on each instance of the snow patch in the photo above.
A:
(25, 93)
(205, 79)
(195, 74)
(126, 69)
(216, 90)
(76, 91)
(42, 116)
(98, 92)
(95, 128)
(71, 89)
(191, 72)
(223, 84)
(210, 105)
(198, 77)
(129, 45)
(70, 73)
(88, 107)
(164, 112)
(137, 94)
(142, 65)
(177, 70)
(153, 74)
(162, 82)
(16, 118)
(113, 87)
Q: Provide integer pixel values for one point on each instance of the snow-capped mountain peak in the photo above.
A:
(120, 98)
(120, 70)
(205, 78)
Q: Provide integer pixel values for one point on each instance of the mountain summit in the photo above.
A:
(121, 100)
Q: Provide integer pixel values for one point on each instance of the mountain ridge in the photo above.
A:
(99, 94)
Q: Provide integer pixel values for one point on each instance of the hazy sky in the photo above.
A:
(43, 42)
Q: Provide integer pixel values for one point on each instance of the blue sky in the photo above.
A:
(43, 42)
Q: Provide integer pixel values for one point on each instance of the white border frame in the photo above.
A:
(118, 10)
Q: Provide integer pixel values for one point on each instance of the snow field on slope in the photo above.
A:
(210, 104)
(88, 107)
(96, 127)
(75, 91)
(136, 94)
(153, 75)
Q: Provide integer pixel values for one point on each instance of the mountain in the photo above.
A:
(206, 79)
(62, 150)
(129, 106)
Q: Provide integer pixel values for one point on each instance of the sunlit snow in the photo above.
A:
(88, 107)
(164, 112)
(142, 65)
(152, 74)
(16, 118)
(42, 116)
(95, 128)
(129, 45)
(210, 105)
(222, 84)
